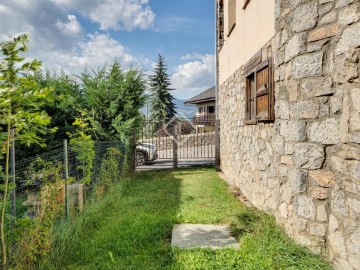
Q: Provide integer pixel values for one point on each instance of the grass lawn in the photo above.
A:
(131, 228)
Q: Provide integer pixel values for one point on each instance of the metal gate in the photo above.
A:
(180, 138)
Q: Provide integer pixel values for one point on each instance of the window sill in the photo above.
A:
(251, 122)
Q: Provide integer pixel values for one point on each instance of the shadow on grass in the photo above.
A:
(130, 228)
(245, 223)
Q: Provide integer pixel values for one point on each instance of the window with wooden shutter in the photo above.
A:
(231, 15)
(260, 94)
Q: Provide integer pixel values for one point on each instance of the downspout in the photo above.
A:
(217, 121)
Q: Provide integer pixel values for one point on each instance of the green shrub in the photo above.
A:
(110, 172)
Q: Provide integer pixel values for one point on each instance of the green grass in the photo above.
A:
(131, 228)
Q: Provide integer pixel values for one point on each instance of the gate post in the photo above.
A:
(217, 145)
(13, 176)
(175, 147)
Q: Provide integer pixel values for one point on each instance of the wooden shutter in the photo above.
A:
(231, 15)
(264, 93)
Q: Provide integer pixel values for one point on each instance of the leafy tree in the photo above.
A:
(83, 145)
(68, 101)
(162, 105)
(113, 99)
(20, 100)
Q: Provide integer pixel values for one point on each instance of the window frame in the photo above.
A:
(252, 110)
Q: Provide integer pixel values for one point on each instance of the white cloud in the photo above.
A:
(92, 52)
(58, 39)
(71, 27)
(113, 14)
(194, 76)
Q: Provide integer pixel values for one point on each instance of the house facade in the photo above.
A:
(205, 116)
(289, 111)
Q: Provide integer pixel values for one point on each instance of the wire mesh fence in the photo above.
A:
(52, 187)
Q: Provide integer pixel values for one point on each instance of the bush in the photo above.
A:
(110, 172)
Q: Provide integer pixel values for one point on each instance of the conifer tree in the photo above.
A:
(162, 105)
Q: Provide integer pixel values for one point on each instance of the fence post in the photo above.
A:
(12, 156)
(66, 165)
(175, 147)
(133, 153)
(217, 145)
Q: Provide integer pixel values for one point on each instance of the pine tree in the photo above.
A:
(162, 105)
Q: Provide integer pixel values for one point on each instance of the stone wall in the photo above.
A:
(304, 167)
(184, 141)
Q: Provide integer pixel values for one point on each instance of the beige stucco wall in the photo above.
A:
(255, 26)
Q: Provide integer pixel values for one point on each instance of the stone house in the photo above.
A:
(204, 118)
(289, 109)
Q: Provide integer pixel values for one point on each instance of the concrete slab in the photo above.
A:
(189, 236)
(168, 164)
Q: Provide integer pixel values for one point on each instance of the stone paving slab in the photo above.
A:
(189, 236)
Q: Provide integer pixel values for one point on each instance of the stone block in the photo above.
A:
(316, 46)
(287, 160)
(289, 149)
(354, 205)
(293, 130)
(305, 207)
(352, 187)
(322, 178)
(305, 17)
(339, 165)
(324, 111)
(349, 15)
(305, 110)
(354, 121)
(317, 229)
(325, 8)
(333, 224)
(282, 110)
(323, 32)
(317, 87)
(337, 245)
(349, 39)
(297, 179)
(354, 166)
(328, 18)
(308, 65)
(278, 144)
(319, 193)
(309, 156)
(325, 132)
(353, 246)
(355, 99)
(295, 46)
(293, 90)
(338, 202)
(321, 214)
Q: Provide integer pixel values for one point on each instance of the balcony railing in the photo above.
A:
(206, 119)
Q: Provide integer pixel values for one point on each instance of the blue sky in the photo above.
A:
(74, 34)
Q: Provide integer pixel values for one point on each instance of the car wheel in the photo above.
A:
(140, 159)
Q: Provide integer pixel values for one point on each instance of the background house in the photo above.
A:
(205, 116)
(289, 110)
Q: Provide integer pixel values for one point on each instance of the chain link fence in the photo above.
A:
(52, 187)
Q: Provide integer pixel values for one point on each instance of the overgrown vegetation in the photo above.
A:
(20, 99)
(34, 235)
(131, 228)
(45, 109)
